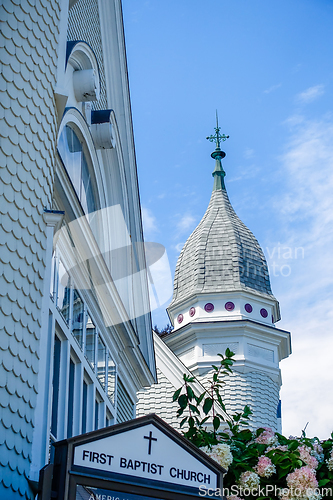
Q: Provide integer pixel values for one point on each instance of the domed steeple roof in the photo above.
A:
(222, 254)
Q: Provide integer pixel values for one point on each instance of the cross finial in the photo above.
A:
(217, 138)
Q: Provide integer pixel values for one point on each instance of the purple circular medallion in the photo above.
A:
(230, 306)
(209, 307)
(248, 308)
(180, 318)
(192, 312)
(263, 313)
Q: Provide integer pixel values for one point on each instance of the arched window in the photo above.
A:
(76, 163)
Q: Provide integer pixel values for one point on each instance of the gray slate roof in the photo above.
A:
(221, 255)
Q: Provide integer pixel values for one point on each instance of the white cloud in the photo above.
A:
(308, 167)
(148, 221)
(186, 223)
(306, 295)
(179, 246)
(311, 93)
(248, 153)
(272, 88)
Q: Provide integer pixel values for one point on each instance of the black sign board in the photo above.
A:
(143, 459)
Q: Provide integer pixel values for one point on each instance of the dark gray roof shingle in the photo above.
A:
(220, 255)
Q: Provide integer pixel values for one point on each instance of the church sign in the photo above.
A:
(141, 459)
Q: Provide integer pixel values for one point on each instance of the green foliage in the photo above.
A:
(163, 331)
(206, 423)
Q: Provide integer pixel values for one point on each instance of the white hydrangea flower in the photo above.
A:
(221, 453)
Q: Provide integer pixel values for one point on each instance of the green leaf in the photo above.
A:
(191, 422)
(323, 482)
(247, 411)
(182, 401)
(194, 409)
(293, 445)
(183, 422)
(190, 393)
(176, 394)
(204, 420)
(216, 422)
(200, 398)
(245, 435)
(207, 405)
(229, 353)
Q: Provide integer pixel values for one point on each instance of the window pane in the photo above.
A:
(70, 150)
(70, 399)
(84, 407)
(90, 341)
(56, 381)
(63, 286)
(52, 276)
(87, 194)
(75, 162)
(78, 309)
(96, 414)
(101, 362)
(111, 378)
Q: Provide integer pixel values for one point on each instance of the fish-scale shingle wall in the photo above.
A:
(255, 389)
(158, 399)
(79, 29)
(29, 36)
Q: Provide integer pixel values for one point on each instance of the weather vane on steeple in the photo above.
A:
(217, 138)
(218, 155)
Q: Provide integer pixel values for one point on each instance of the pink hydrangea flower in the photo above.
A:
(234, 497)
(267, 437)
(265, 467)
(302, 484)
(305, 455)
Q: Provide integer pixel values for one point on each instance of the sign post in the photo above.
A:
(141, 459)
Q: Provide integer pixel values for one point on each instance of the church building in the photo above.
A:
(222, 298)
(77, 351)
(76, 338)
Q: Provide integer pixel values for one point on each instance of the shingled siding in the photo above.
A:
(255, 389)
(84, 24)
(220, 255)
(158, 399)
(29, 36)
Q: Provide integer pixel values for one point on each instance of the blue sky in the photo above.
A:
(266, 66)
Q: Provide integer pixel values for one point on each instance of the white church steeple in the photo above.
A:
(223, 298)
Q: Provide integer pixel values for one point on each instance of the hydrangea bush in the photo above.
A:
(300, 468)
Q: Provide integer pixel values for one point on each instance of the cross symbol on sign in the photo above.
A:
(150, 438)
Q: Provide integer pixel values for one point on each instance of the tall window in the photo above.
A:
(63, 291)
(90, 341)
(84, 406)
(75, 161)
(56, 380)
(70, 415)
(78, 317)
(111, 378)
(101, 362)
